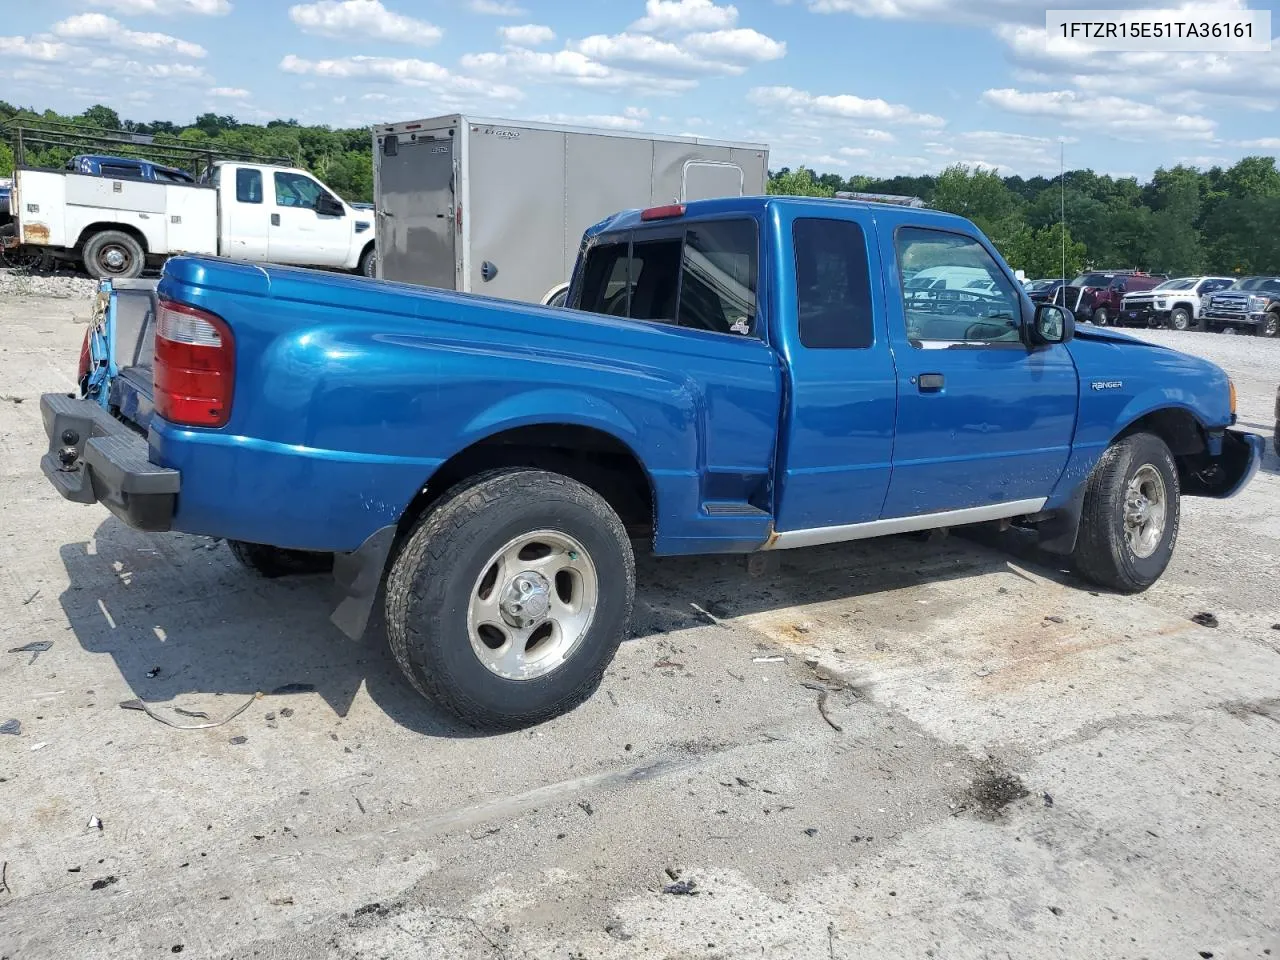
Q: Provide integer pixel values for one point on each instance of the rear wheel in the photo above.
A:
(509, 599)
(1180, 318)
(1129, 524)
(113, 255)
(272, 562)
(1100, 317)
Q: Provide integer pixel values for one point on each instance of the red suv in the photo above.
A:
(1095, 296)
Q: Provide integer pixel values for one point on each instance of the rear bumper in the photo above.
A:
(94, 458)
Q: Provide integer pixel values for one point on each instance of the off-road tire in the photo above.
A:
(432, 577)
(96, 248)
(1180, 319)
(1102, 553)
(273, 562)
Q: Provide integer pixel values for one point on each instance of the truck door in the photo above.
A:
(982, 420)
(416, 212)
(837, 447)
(303, 230)
(243, 219)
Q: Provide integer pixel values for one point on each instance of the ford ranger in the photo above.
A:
(729, 376)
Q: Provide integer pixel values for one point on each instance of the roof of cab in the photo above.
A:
(754, 206)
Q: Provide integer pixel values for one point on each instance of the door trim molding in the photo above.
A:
(816, 536)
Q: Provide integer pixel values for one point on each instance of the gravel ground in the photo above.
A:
(1010, 764)
(62, 286)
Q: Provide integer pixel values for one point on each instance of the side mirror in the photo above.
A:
(1051, 324)
(327, 206)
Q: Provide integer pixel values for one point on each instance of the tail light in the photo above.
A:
(86, 364)
(194, 367)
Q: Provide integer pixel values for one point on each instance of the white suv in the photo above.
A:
(1175, 303)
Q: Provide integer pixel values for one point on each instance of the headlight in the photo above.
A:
(1258, 304)
(1162, 304)
(1231, 386)
(1204, 302)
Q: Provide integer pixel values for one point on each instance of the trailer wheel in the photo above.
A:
(113, 255)
(1129, 524)
(273, 562)
(510, 597)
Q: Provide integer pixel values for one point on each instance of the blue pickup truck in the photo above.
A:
(730, 376)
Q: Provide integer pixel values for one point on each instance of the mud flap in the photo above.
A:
(358, 576)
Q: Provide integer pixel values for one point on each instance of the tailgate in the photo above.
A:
(134, 349)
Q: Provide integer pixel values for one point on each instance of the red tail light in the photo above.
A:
(663, 213)
(195, 366)
(85, 362)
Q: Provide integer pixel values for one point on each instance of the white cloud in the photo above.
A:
(735, 46)
(99, 28)
(172, 72)
(844, 106)
(982, 11)
(230, 93)
(134, 8)
(362, 18)
(527, 35)
(1120, 117)
(571, 67)
(632, 118)
(681, 16)
(1266, 143)
(854, 152)
(47, 51)
(497, 8)
(409, 71)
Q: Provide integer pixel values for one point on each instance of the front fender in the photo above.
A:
(1230, 471)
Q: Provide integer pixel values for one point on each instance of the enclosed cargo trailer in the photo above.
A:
(499, 206)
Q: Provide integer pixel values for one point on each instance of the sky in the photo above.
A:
(878, 87)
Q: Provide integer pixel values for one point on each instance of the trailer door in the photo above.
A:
(416, 225)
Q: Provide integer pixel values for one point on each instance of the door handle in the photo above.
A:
(930, 382)
(275, 219)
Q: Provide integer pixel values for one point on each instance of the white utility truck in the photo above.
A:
(116, 221)
(499, 206)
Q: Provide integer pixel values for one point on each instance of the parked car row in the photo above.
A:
(1130, 298)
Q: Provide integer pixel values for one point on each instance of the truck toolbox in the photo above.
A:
(94, 458)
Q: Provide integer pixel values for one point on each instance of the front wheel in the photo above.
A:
(1180, 318)
(510, 597)
(1100, 317)
(1270, 327)
(1131, 513)
(368, 264)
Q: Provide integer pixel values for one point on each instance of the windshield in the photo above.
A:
(1183, 283)
(1268, 284)
(1092, 280)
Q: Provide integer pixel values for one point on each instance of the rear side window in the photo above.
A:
(248, 186)
(703, 278)
(718, 282)
(833, 285)
(115, 170)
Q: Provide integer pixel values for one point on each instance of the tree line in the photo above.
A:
(1183, 221)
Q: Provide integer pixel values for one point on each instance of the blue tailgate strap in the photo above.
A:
(102, 344)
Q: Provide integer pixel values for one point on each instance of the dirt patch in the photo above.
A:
(991, 790)
(1245, 709)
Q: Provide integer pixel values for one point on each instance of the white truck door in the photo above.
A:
(244, 216)
(306, 225)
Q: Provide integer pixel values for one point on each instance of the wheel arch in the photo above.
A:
(105, 225)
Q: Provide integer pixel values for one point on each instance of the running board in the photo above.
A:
(815, 536)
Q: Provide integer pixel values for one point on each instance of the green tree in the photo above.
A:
(797, 183)
(1039, 253)
(981, 196)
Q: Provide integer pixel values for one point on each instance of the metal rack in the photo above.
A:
(27, 135)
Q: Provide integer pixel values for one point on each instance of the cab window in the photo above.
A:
(296, 190)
